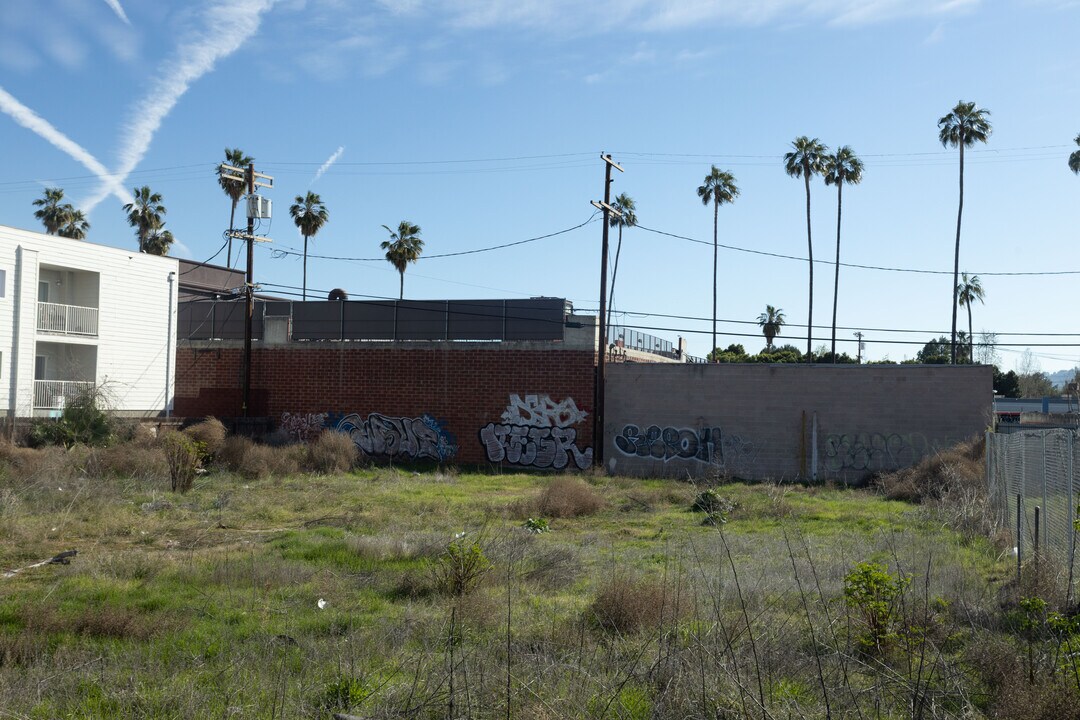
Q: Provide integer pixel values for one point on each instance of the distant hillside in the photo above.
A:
(1062, 376)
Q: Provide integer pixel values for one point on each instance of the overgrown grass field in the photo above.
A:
(268, 591)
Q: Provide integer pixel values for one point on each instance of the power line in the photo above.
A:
(278, 253)
(859, 266)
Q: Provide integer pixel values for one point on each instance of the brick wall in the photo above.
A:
(429, 400)
(788, 421)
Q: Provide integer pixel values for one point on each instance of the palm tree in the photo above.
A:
(144, 213)
(770, 322)
(626, 218)
(1074, 158)
(233, 188)
(75, 224)
(805, 160)
(719, 188)
(51, 213)
(403, 247)
(841, 167)
(962, 127)
(309, 214)
(158, 242)
(970, 290)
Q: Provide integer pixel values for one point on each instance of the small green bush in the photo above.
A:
(460, 568)
(871, 590)
(183, 456)
(715, 504)
(536, 526)
(83, 421)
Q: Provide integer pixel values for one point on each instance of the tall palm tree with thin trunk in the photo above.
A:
(403, 247)
(1074, 158)
(965, 125)
(144, 213)
(51, 213)
(309, 214)
(805, 161)
(235, 189)
(719, 188)
(770, 322)
(626, 218)
(968, 292)
(75, 224)
(842, 167)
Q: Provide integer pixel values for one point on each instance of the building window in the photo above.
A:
(3, 283)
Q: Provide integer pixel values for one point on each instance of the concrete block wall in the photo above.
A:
(843, 422)
(526, 405)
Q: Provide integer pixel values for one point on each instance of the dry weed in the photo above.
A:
(628, 605)
(567, 497)
(211, 433)
(332, 452)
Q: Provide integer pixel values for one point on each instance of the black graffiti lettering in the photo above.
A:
(704, 445)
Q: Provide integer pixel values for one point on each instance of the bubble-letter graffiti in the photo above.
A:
(413, 438)
(536, 432)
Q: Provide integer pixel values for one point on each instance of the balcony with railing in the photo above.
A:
(67, 319)
(58, 394)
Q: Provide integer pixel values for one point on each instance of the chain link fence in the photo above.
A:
(1034, 483)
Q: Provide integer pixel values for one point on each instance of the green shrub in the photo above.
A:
(343, 693)
(536, 526)
(715, 504)
(871, 590)
(460, 568)
(183, 456)
(83, 421)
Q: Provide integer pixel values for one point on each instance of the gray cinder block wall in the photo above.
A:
(758, 422)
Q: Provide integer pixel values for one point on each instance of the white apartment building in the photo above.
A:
(76, 316)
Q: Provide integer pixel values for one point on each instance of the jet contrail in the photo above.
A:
(116, 8)
(40, 126)
(228, 26)
(326, 165)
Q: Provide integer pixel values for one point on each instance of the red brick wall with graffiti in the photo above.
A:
(531, 408)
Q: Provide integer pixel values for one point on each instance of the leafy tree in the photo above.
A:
(1006, 384)
(965, 125)
(731, 354)
(770, 322)
(840, 168)
(75, 224)
(145, 213)
(969, 291)
(309, 214)
(1074, 158)
(403, 247)
(51, 213)
(719, 188)
(782, 354)
(626, 218)
(1035, 385)
(806, 160)
(935, 352)
(233, 188)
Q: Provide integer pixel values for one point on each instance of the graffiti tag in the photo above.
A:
(414, 438)
(533, 446)
(705, 445)
(536, 432)
(874, 452)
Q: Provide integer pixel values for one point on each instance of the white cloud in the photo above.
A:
(118, 9)
(227, 26)
(605, 15)
(936, 36)
(42, 128)
(326, 165)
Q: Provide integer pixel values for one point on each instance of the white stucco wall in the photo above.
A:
(135, 357)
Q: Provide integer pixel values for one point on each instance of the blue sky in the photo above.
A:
(483, 121)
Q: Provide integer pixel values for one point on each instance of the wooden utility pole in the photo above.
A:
(601, 367)
(250, 178)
